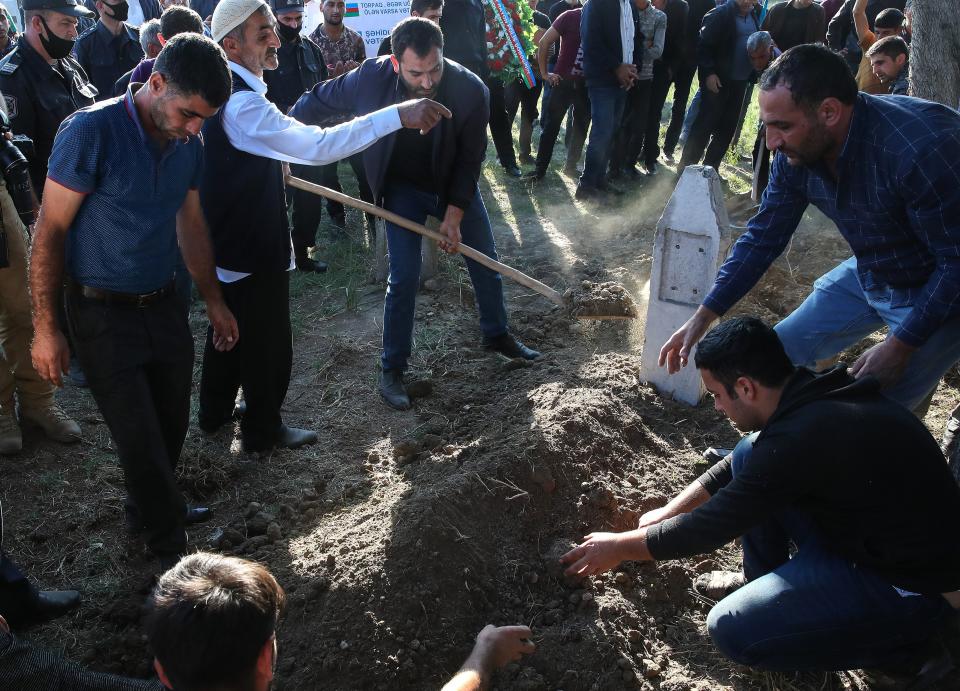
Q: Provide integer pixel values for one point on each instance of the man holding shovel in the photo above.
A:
(418, 175)
(243, 199)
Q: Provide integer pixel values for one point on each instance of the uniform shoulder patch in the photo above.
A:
(11, 103)
(10, 64)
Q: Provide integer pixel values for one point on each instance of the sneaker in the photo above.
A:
(54, 422)
(11, 438)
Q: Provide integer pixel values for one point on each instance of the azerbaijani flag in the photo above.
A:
(353, 9)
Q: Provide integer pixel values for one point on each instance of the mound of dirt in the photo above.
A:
(466, 526)
(608, 299)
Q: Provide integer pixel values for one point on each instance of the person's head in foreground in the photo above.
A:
(189, 83)
(744, 366)
(417, 46)
(806, 102)
(212, 624)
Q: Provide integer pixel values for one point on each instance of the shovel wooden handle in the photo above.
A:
(396, 219)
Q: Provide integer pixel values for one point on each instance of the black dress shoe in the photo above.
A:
(650, 168)
(507, 344)
(197, 514)
(311, 266)
(194, 515)
(390, 386)
(51, 604)
(513, 171)
(294, 437)
(535, 175)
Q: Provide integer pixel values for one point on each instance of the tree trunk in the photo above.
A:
(935, 51)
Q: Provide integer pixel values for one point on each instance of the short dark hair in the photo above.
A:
(743, 347)
(421, 6)
(812, 73)
(419, 34)
(210, 616)
(178, 19)
(193, 64)
(890, 18)
(891, 46)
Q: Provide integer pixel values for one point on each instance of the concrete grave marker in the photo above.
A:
(693, 235)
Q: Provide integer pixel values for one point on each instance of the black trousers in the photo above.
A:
(329, 178)
(566, 93)
(17, 596)
(500, 128)
(682, 79)
(628, 141)
(260, 362)
(139, 363)
(519, 97)
(307, 207)
(715, 124)
(658, 96)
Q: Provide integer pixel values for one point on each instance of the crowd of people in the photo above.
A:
(160, 138)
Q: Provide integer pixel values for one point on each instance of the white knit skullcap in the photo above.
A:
(229, 14)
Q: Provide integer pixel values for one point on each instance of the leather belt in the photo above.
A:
(114, 298)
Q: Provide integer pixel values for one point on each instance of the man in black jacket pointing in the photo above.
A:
(852, 479)
(417, 176)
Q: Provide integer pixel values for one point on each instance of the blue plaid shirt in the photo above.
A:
(896, 200)
(124, 236)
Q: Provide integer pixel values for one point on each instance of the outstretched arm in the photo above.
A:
(496, 646)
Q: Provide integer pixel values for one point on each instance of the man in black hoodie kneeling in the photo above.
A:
(853, 481)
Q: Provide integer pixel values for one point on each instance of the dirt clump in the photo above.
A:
(608, 299)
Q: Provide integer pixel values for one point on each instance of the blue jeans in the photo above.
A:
(690, 117)
(606, 111)
(840, 312)
(817, 610)
(405, 260)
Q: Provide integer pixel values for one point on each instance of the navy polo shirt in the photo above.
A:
(124, 235)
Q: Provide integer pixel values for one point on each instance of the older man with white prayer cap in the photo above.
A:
(243, 199)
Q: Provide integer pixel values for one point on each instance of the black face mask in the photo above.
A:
(288, 33)
(56, 47)
(120, 11)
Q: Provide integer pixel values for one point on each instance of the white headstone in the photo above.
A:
(692, 238)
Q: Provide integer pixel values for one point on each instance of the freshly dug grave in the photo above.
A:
(600, 300)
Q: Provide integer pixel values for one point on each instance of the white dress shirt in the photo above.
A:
(135, 15)
(626, 31)
(255, 125)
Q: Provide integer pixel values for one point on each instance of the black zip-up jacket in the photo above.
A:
(718, 40)
(866, 471)
(459, 144)
(465, 35)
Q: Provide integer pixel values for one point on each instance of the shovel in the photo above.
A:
(467, 251)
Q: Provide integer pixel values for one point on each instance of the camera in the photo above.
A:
(16, 171)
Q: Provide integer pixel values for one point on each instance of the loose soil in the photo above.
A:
(399, 535)
(602, 300)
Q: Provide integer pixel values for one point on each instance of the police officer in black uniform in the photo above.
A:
(301, 67)
(40, 82)
(109, 49)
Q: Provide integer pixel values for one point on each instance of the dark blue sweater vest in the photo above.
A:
(243, 200)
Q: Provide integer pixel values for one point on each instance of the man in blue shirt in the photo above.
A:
(887, 172)
(121, 192)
